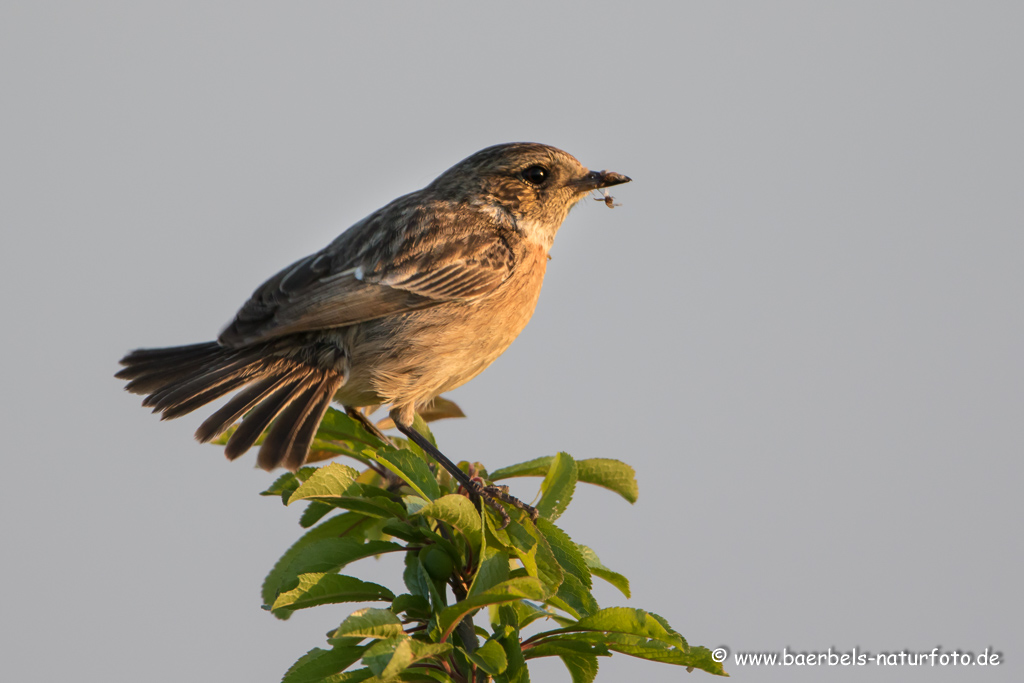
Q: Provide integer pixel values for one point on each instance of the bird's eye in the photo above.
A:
(535, 175)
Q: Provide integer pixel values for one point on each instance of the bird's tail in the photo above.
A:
(292, 395)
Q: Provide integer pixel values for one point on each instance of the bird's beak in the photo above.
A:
(595, 180)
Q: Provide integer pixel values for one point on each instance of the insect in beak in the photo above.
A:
(608, 200)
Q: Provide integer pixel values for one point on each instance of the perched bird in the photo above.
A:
(412, 301)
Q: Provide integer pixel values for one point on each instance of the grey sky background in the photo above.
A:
(803, 327)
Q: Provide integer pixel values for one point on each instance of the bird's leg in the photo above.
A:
(475, 488)
(392, 479)
(487, 494)
(361, 418)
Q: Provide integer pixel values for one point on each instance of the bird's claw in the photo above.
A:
(493, 493)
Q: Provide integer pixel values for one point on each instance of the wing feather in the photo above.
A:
(407, 256)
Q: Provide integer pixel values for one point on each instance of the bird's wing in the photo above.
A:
(430, 255)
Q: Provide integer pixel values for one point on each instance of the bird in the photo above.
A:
(412, 301)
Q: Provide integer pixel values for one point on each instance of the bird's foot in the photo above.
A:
(491, 494)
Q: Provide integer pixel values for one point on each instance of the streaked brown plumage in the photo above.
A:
(413, 300)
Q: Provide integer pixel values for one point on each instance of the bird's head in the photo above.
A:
(535, 184)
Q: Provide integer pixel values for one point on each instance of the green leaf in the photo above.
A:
(414, 503)
(438, 409)
(507, 591)
(322, 449)
(314, 512)
(338, 426)
(490, 657)
(516, 671)
(406, 531)
(330, 481)
(537, 467)
(505, 617)
(613, 475)
(527, 543)
(348, 525)
(625, 620)
(644, 648)
(492, 570)
(459, 513)
(318, 664)
(582, 668)
(414, 606)
(286, 484)
(569, 644)
(433, 591)
(574, 598)
(558, 486)
(701, 658)
(413, 470)
(657, 651)
(420, 425)
(421, 675)
(321, 589)
(380, 507)
(525, 614)
(325, 556)
(665, 625)
(416, 578)
(566, 552)
(422, 650)
(388, 658)
(599, 570)
(355, 676)
(371, 622)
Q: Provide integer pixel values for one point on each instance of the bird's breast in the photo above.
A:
(413, 357)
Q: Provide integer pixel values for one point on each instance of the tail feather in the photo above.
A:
(153, 369)
(190, 403)
(203, 380)
(296, 455)
(142, 362)
(238, 406)
(154, 381)
(174, 354)
(287, 442)
(291, 395)
(262, 415)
